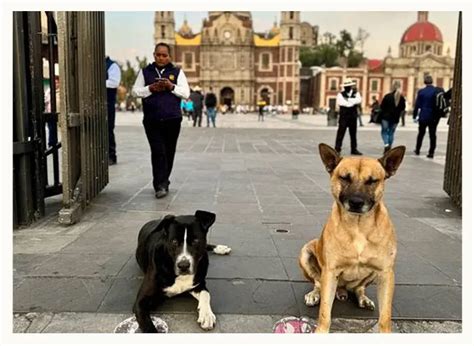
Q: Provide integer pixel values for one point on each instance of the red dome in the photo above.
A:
(422, 31)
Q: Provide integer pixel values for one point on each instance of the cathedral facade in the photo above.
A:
(421, 52)
(240, 65)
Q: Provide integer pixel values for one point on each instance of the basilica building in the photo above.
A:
(421, 51)
(241, 65)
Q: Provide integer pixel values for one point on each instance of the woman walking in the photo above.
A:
(392, 107)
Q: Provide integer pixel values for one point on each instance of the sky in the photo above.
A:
(130, 34)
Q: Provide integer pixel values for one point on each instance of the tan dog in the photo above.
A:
(358, 244)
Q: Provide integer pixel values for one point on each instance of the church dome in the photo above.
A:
(422, 30)
(185, 29)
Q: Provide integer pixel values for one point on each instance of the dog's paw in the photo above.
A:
(312, 298)
(206, 319)
(366, 303)
(222, 250)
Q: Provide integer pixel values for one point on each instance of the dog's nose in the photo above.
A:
(184, 265)
(356, 203)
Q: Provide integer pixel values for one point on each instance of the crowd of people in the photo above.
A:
(165, 98)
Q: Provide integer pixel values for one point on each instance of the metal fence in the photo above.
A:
(80, 39)
(453, 167)
(83, 101)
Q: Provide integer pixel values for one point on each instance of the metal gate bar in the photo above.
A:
(453, 167)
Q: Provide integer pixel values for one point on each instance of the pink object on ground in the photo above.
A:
(293, 325)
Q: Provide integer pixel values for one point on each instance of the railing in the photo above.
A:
(453, 167)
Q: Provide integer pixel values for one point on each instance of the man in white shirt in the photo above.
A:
(348, 101)
(113, 75)
(161, 85)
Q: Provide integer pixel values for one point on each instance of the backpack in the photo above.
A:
(441, 106)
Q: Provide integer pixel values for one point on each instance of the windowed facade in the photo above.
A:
(188, 60)
(265, 62)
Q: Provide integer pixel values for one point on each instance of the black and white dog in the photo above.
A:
(172, 253)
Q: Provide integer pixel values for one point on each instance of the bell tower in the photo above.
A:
(164, 29)
(289, 76)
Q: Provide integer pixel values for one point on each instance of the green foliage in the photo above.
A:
(129, 75)
(354, 59)
(328, 53)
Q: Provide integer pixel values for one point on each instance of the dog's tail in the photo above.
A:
(219, 249)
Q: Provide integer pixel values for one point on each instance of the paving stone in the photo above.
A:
(242, 296)
(421, 302)
(59, 294)
(235, 267)
(246, 246)
(94, 265)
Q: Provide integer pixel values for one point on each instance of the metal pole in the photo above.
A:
(22, 162)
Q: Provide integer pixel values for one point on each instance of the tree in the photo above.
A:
(321, 55)
(354, 58)
(328, 38)
(361, 37)
(345, 44)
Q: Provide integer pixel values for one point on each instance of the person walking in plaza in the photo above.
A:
(374, 110)
(210, 101)
(347, 101)
(161, 85)
(197, 98)
(392, 107)
(425, 113)
(261, 109)
(113, 75)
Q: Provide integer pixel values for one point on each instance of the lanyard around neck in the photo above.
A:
(159, 73)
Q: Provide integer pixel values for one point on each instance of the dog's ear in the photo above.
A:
(205, 218)
(165, 222)
(392, 160)
(329, 156)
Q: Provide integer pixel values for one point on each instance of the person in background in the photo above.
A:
(197, 100)
(424, 113)
(189, 108)
(210, 101)
(161, 85)
(347, 101)
(392, 107)
(261, 109)
(374, 109)
(113, 75)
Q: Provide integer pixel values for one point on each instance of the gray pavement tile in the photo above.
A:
(268, 202)
(94, 265)
(84, 323)
(41, 244)
(60, 294)
(231, 323)
(450, 227)
(446, 256)
(121, 296)
(106, 239)
(148, 203)
(288, 247)
(263, 247)
(26, 264)
(237, 267)
(247, 230)
(288, 210)
(130, 269)
(190, 208)
(428, 302)
(252, 297)
(292, 269)
(412, 269)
